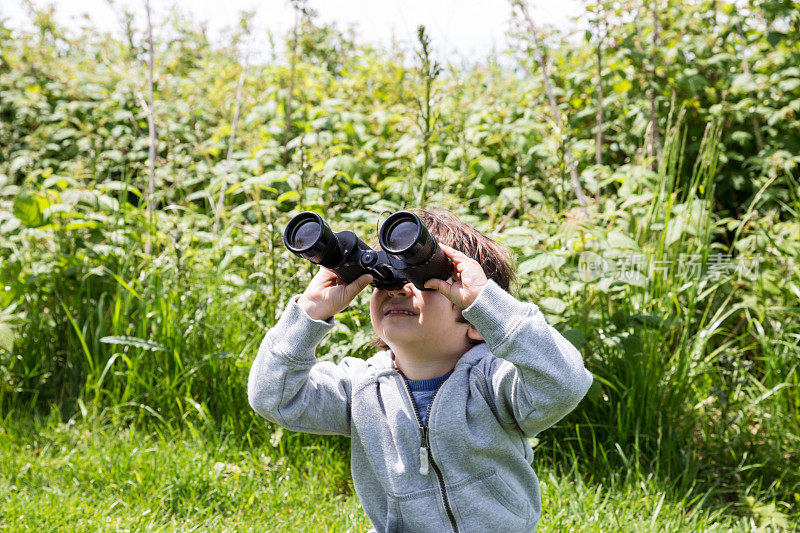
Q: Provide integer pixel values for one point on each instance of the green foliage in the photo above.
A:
(698, 65)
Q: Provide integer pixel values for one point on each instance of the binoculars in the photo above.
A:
(409, 252)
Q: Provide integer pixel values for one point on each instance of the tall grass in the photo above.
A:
(695, 375)
(149, 337)
(162, 341)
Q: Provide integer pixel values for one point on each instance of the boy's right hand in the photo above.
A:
(327, 294)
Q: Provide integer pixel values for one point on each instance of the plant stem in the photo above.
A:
(151, 122)
(576, 184)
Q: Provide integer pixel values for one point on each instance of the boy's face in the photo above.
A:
(430, 330)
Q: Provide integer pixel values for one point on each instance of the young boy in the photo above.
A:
(440, 419)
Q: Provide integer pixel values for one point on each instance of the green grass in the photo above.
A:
(82, 477)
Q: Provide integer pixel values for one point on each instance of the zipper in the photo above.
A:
(425, 449)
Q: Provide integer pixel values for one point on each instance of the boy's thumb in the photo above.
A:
(435, 284)
(359, 284)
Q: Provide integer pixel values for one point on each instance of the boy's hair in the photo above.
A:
(496, 259)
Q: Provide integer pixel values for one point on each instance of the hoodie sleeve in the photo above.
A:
(288, 386)
(537, 376)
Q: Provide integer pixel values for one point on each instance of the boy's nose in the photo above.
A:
(405, 290)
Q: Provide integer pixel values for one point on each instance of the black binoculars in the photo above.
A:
(409, 252)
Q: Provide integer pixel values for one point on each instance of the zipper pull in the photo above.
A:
(423, 455)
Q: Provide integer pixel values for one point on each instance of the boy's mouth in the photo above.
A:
(398, 312)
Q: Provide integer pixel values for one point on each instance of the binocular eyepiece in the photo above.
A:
(409, 252)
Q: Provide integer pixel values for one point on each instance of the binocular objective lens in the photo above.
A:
(306, 234)
(402, 235)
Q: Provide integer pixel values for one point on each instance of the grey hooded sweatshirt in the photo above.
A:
(468, 469)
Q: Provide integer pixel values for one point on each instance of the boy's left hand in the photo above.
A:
(468, 279)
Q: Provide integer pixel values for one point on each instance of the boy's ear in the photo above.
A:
(473, 334)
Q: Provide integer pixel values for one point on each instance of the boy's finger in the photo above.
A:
(453, 253)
